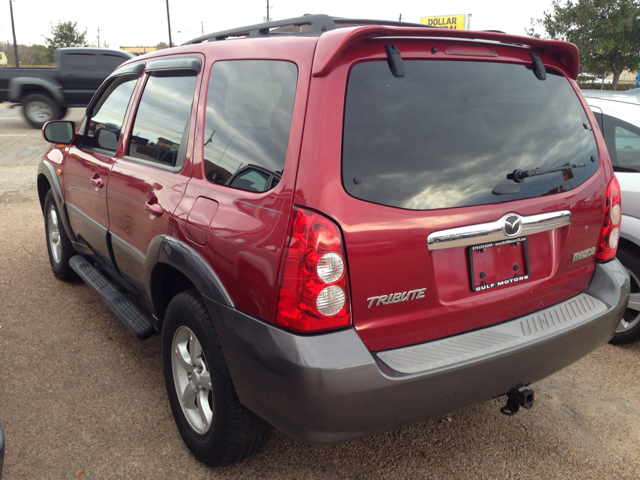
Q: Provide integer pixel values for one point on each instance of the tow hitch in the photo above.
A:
(518, 396)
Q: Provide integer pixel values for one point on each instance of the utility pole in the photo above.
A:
(268, 10)
(400, 18)
(98, 37)
(13, 29)
(169, 24)
(202, 28)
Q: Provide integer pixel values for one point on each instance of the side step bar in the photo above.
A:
(126, 311)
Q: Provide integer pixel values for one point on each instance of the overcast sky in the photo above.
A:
(144, 22)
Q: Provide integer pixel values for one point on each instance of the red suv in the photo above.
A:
(340, 231)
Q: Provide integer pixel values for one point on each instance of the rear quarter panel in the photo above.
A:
(247, 234)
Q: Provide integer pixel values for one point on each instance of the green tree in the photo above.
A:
(65, 34)
(607, 33)
(32, 55)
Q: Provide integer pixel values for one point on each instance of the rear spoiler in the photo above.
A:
(332, 43)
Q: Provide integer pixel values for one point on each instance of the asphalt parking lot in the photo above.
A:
(81, 397)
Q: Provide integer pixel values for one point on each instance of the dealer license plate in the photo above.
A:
(498, 264)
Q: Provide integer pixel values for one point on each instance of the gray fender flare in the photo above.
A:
(179, 255)
(47, 170)
(16, 86)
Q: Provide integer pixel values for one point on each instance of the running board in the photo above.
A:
(125, 310)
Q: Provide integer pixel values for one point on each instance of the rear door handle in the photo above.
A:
(97, 182)
(154, 209)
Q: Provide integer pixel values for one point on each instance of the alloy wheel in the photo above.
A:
(39, 111)
(53, 230)
(631, 316)
(192, 380)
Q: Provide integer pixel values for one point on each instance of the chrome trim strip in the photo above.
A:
(494, 231)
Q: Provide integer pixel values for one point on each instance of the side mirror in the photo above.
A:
(106, 139)
(59, 131)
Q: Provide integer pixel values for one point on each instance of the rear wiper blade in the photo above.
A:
(518, 175)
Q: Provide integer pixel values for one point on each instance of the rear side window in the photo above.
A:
(623, 142)
(82, 61)
(248, 118)
(108, 63)
(448, 133)
(627, 145)
(161, 127)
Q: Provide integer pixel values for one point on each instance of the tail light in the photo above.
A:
(314, 293)
(611, 229)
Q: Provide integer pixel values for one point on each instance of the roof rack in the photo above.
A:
(306, 25)
(358, 22)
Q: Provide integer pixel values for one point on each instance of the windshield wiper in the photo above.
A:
(518, 175)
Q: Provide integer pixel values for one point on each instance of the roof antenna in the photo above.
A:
(394, 59)
(538, 67)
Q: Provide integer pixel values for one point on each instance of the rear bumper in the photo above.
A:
(330, 388)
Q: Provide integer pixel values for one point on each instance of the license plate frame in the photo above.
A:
(521, 256)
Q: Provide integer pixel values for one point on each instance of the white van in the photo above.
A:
(3, 59)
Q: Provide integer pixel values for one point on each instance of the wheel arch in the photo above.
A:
(628, 245)
(172, 267)
(630, 231)
(166, 282)
(20, 87)
(48, 180)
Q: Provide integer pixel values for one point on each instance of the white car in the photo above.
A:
(590, 78)
(618, 115)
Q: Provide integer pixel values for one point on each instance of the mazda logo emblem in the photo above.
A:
(512, 225)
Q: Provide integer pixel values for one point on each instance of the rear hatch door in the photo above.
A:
(440, 236)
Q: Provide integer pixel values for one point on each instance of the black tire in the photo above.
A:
(58, 243)
(39, 109)
(629, 328)
(63, 112)
(233, 432)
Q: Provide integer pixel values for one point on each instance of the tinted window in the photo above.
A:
(109, 110)
(249, 108)
(250, 179)
(108, 63)
(161, 126)
(627, 140)
(448, 133)
(81, 61)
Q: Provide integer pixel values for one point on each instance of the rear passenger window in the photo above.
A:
(81, 61)
(108, 63)
(248, 118)
(161, 127)
(109, 110)
(627, 146)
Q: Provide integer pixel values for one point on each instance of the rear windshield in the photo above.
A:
(448, 133)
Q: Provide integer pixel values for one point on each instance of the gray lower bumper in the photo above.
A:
(330, 388)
